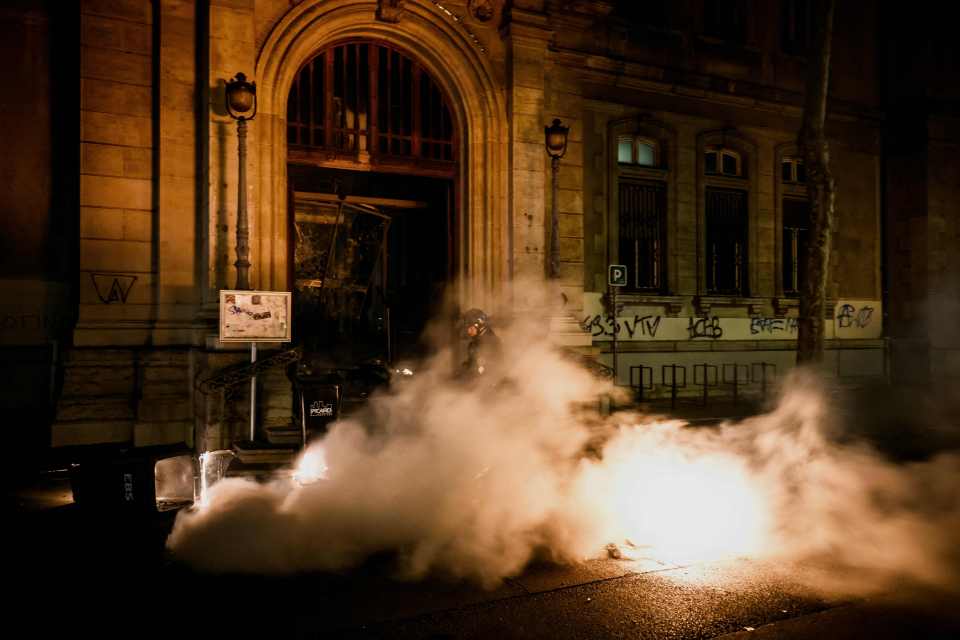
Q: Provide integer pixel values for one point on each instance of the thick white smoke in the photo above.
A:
(474, 481)
(463, 479)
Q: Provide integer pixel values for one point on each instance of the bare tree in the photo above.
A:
(820, 185)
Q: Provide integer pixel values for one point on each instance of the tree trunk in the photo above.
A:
(820, 185)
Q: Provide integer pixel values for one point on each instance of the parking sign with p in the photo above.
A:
(617, 275)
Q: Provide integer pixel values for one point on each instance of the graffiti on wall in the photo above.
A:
(706, 326)
(773, 326)
(850, 316)
(638, 326)
(112, 287)
(853, 319)
(858, 319)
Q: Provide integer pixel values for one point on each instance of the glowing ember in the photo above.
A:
(312, 466)
(681, 502)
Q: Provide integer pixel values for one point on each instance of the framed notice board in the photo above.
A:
(255, 316)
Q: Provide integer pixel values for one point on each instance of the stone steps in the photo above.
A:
(284, 434)
(264, 453)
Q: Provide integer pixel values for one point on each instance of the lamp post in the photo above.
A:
(556, 141)
(241, 99)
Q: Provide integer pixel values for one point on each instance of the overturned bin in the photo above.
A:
(144, 479)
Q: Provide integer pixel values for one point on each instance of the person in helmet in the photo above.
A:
(483, 345)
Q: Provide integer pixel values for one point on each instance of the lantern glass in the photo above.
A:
(556, 139)
(241, 97)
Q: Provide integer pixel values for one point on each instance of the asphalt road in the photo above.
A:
(81, 574)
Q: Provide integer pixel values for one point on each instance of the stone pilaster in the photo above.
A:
(117, 270)
(527, 34)
(232, 50)
(178, 275)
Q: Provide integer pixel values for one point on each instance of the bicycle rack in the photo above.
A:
(674, 383)
(637, 380)
(705, 370)
(763, 367)
(731, 375)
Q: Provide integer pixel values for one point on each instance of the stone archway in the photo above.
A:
(476, 100)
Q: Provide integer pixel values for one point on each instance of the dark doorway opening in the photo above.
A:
(371, 254)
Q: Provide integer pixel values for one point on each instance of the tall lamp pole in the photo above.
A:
(556, 141)
(241, 99)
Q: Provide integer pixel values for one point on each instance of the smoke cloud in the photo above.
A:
(474, 481)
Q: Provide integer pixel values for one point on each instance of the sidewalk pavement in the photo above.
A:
(876, 619)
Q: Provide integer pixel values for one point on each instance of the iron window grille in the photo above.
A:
(362, 98)
(726, 240)
(796, 234)
(643, 234)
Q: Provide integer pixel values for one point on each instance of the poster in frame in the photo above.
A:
(255, 316)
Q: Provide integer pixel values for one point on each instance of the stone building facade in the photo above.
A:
(681, 164)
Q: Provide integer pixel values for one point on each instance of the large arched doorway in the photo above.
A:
(372, 169)
(482, 223)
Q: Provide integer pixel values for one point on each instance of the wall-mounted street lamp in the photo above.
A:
(556, 142)
(241, 99)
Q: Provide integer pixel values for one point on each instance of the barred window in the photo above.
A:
(363, 97)
(642, 227)
(796, 234)
(726, 239)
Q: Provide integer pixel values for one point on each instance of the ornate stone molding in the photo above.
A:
(599, 8)
(459, 20)
(390, 10)
(482, 10)
(783, 305)
(753, 306)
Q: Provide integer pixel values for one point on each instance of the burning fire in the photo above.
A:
(680, 502)
(475, 482)
(311, 467)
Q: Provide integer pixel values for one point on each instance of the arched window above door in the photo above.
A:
(365, 100)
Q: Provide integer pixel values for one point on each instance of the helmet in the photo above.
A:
(477, 319)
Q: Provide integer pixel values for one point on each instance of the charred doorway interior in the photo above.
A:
(372, 167)
(372, 254)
